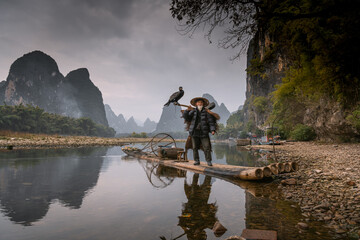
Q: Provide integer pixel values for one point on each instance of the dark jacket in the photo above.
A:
(207, 121)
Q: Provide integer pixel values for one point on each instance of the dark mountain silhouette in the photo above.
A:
(35, 79)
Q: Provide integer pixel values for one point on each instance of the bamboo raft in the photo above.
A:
(239, 172)
(177, 158)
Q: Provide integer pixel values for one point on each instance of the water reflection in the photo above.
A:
(231, 154)
(28, 186)
(197, 213)
(160, 176)
(236, 155)
(177, 203)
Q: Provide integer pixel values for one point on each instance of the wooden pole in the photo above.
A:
(281, 167)
(274, 168)
(294, 166)
(252, 174)
(266, 171)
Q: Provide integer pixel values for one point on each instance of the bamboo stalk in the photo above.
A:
(294, 166)
(252, 174)
(266, 171)
(287, 167)
(274, 168)
(281, 167)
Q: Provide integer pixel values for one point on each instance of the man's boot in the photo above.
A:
(197, 162)
(209, 164)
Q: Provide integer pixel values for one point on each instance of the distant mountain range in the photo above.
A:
(35, 79)
(122, 126)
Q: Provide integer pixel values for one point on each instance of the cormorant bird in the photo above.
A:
(175, 97)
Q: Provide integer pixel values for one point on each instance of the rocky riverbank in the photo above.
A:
(54, 141)
(327, 186)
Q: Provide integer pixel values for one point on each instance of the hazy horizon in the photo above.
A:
(132, 50)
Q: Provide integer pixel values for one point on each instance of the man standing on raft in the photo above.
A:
(201, 123)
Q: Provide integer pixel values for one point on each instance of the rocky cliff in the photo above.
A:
(35, 79)
(265, 70)
(86, 95)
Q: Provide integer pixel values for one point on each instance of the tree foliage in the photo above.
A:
(31, 119)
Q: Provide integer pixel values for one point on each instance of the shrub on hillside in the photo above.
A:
(303, 133)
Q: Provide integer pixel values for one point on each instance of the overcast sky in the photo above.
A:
(133, 52)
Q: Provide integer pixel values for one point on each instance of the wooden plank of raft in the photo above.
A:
(244, 173)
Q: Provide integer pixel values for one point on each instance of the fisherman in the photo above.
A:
(201, 123)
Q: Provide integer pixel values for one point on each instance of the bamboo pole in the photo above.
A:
(287, 167)
(266, 171)
(274, 168)
(252, 174)
(281, 167)
(294, 166)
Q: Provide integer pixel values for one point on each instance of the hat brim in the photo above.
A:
(194, 100)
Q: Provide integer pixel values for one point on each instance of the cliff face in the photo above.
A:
(327, 117)
(35, 79)
(87, 96)
(262, 85)
(262, 76)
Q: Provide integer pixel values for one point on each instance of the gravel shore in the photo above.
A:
(327, 185)
(49, 141)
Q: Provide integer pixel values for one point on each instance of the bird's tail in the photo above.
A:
(167, 104)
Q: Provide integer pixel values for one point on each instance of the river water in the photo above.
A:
(99, 193)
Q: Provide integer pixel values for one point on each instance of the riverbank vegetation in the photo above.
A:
(31, 119)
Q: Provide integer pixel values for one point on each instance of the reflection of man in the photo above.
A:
(197, 213)
(201, 123)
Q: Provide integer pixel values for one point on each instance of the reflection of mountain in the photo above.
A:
(197, 213)
(29, 186)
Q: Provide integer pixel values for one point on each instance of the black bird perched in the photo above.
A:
(175, 97)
